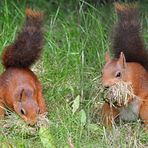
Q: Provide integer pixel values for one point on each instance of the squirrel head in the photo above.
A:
(26, 107)
(114, 70)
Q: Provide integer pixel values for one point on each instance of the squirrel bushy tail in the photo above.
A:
(126, 35)
(27, 47)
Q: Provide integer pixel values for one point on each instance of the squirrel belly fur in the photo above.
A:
(20, 89)
(129, 64)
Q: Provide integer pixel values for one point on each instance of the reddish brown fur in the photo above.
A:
(20, 89)
(130, 66)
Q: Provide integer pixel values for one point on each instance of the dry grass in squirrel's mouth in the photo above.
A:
(119, 93)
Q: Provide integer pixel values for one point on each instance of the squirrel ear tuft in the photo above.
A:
(107, 57)
(122, 60)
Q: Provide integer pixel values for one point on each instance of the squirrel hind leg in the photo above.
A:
(41, 103)
(40, 100)
(2, 111)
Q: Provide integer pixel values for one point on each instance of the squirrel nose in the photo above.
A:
(106, 87)
(31, 122)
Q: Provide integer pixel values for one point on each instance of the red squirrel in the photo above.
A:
(129, 64)
(20, 89)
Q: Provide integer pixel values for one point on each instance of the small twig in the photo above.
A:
(70, 142)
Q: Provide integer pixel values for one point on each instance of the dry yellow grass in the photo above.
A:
(14, 123)
(120, 93)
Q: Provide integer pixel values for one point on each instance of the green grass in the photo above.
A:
(76, 38)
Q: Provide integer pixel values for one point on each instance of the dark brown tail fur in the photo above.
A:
(126, 35)
(27, 47)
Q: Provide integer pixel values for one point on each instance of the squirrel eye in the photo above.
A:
(23, 111)
(118, 74)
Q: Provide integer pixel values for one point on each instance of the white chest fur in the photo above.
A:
(131, 112)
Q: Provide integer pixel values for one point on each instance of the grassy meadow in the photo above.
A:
(77, 34)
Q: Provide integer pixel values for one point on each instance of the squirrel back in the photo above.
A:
(126, 36)
(27, 47)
